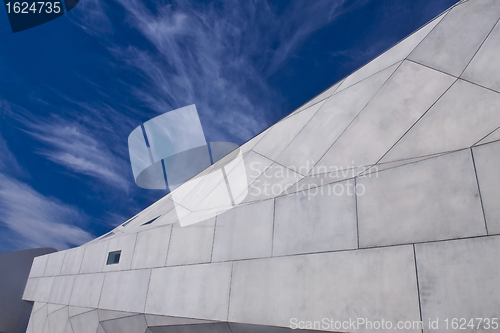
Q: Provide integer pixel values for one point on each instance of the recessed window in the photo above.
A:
(150, 221)
(113, 257)
(128, 221)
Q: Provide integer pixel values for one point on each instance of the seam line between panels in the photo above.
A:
(480, 46)
(445, 13)
(213, 239)
(413, 125)
(356, 209)
(418, 286)
(496, 235)
(298, 110)
(434, 69)
(169, 242)
(479, 191)
(229, 293)
(274, 223)
(356, 117)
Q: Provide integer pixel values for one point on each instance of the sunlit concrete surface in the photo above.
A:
(378, 199)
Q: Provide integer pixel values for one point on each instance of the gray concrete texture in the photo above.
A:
(386, 207)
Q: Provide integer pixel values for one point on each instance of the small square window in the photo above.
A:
(114, 257)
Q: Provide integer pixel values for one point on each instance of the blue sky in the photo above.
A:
(73, 89)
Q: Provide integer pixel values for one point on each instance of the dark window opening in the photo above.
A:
(151, 221)
(113, 257)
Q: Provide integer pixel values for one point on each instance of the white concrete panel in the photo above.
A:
(30, 327)
(43, 289)
(108, 314)
(462, 117)
(125, 244)
(46, 328)
(58, 321)
(85, 323)
(191, 244)
(203, 328)
(153, 320)
(54, 307)
(317, 180)
(72, 260)
(38, 266)
(69, 329)
(161, 207)
(251, 328)
(392, 56)
(389, 165)
(406, 96)
(274, 181)
(182, 191)
(221, 195)
(487, 159)
(431, 200)
(372, 284)
(455, 40)
(61, 290)
(316, 100)
(195, 291)
(134, 324)
(77, 310)
(244, 232)
(54, 263)
(250, 144)
(201, 216)
(201, 191)
(218, 199)
(494, 136)
(280, 135)
(125, 291)
(86, 290)
(245, 173)
(94, 257)
(459, 279)
(151, 248)
(329, 123)
(30, 290)
(484, 68)
(322, 219)
(100, 329)
(171, 217)
(37, 306)
(39, 319)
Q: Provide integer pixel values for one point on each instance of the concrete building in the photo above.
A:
(375, 201)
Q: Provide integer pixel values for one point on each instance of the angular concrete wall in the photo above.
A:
(377, 200)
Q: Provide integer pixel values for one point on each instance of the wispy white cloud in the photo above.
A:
(8, 162)
(29, 219)
(217, 55)
(34, 220)
(70, 146)
(81, 149)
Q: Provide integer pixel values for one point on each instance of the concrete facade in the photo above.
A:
(378, 199)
